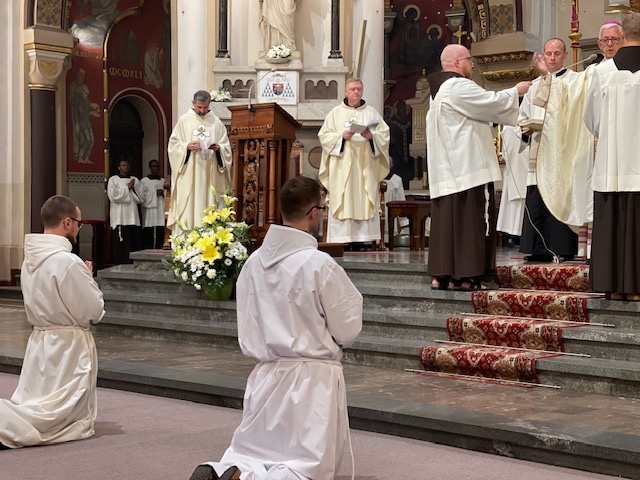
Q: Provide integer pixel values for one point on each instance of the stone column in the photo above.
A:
(222, 29)
(335, 30)
(189, 32)
(46, 67)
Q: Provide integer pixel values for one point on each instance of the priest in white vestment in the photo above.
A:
(462, 165)
(200, 157)
(566, 147)
(355, 158)
(543, 235)
(611, 114)
(152, 190)
(55, 400)
(299, 309)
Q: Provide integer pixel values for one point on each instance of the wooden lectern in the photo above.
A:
(261, 137)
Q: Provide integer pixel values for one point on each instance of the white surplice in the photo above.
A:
(395, 193)
(55, 400)
(152, 203)
(616, 167)
(460, 151)
(123, 202)
(297, 310)
(514, 182)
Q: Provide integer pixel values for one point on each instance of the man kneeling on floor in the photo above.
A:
(299, 311)
(55, 400)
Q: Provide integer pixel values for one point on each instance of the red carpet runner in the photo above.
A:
(508, 332)
(538, 332)
(559, 277)
(503, 364)
(548, 305)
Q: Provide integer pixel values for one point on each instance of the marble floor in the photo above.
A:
(604, 413)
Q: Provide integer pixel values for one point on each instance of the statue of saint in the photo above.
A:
(276, 23)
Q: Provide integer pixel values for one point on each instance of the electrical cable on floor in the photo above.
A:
(556, 258)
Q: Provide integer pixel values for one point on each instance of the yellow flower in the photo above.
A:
(210, 252)
(192, 237)
(226, 214)
(211, 217)
(224, 235)
(228, 200)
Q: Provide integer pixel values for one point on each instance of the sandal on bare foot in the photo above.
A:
(468, 284)
(440, 283)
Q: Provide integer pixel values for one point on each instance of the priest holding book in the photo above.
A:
(355, 158)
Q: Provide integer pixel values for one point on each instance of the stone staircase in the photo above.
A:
(402, 314)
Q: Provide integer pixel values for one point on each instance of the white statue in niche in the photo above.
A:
(277, 23)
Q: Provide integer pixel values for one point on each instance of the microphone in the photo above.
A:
(249, 107)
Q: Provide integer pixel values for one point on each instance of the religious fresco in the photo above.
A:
(419, 35)
(137, 63)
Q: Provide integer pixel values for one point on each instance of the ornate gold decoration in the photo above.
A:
(502, 57)
(510, 75)
(49, 68)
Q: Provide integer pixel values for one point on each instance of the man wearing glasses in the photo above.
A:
(564, 168)
(611, 114)
(463, 165)
(355, 158)
(55, 400)
(300, 311)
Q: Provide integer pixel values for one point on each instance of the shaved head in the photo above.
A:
(456, 58)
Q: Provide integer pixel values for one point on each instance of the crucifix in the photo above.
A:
(459, 33)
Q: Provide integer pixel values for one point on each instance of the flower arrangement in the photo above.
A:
(221, 95)
(279, 51)
(210, 257)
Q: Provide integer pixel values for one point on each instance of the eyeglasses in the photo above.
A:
(467, 58)
(319, 207)
(79, 222)
(611, 40)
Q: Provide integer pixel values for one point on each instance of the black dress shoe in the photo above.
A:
(206, 472)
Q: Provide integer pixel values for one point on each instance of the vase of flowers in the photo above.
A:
(278, 54)
(210, 257)
(221, 95)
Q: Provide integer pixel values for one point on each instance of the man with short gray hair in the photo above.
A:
(200, 158)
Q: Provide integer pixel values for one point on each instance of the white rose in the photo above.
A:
(184, 276)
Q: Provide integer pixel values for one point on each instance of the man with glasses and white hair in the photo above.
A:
(610, 38)
(611, 115)
(55, 400)
(462, 165)
(564, 167)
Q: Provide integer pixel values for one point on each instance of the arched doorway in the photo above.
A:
(126, 135)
